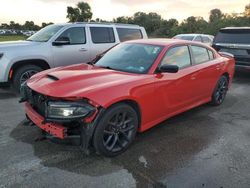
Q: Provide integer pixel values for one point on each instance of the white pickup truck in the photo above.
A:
(60, 45)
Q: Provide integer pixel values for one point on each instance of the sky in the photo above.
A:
(56, 10)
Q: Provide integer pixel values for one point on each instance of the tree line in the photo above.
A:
(28, 25)
(154, 24)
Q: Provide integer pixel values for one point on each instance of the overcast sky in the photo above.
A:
(55, 10)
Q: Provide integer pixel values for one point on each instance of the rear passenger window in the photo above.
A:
(128, 34)
(200, 54)
(177, 56)
(102, 35)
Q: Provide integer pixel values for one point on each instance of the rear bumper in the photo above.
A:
(54, 129)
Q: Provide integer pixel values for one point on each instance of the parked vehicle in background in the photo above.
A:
(60, 45)
(207, 39)
(235, 40)
(2, 32)
(28, 33)
(132, 87)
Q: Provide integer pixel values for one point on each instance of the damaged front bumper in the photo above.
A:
(56, 130)
(81, 129)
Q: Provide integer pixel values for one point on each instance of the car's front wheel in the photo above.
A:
(22, 74)
(220, 91)
(116, 130)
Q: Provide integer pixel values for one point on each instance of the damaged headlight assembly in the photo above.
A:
(68, 110)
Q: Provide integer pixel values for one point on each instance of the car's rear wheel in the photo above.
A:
(116, 130)
(24, 73)
(220, 91)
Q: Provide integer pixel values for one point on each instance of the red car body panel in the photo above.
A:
(52, 128)
(159, 96)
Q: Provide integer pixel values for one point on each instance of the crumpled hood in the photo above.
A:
(78, 81)
(5, 46)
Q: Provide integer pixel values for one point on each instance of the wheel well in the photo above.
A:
(135, 106)
(38, 62)
(227, 75)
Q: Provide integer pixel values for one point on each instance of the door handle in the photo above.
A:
(83, 49)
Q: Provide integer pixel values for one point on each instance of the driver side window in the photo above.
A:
(177, 56)
(76, 35)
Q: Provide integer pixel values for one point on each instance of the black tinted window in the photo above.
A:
(177, 56)
(76, 35)
(233, 36)
(102, 34)
(129, 34)
(200, 54)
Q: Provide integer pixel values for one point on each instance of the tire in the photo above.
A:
(22, 74)
(220, 91)
(116, 130)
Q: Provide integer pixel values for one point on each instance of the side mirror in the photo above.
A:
(169, 68)
(61, 41)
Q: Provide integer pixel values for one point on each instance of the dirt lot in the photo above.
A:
(205, 147)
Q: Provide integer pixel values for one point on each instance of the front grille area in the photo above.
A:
(37, 101)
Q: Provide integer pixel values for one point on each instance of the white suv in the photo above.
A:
(60, 45)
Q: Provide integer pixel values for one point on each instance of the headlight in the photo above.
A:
(69, 110)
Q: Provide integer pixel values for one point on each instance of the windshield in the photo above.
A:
(184, 37)
(134, 58)
(45, 34)
(233, 36)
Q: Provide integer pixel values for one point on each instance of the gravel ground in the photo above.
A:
(205, 147)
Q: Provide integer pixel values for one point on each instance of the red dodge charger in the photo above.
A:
(128, 89)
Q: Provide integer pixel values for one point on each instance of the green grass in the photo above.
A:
(11, 37)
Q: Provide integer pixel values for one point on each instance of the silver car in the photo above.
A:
(60, 45)
(207, 39)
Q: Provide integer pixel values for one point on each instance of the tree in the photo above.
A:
(151, 21)
(247, 10)
(215, 15)
(30, 25)
(82, 13)
(5, 26)
(46, 24)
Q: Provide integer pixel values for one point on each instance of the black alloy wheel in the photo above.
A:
(220, 91)
(116, 130)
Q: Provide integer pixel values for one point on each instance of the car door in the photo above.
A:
(76, 51)
(102, 38)
(206, 71)
(176, 91)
